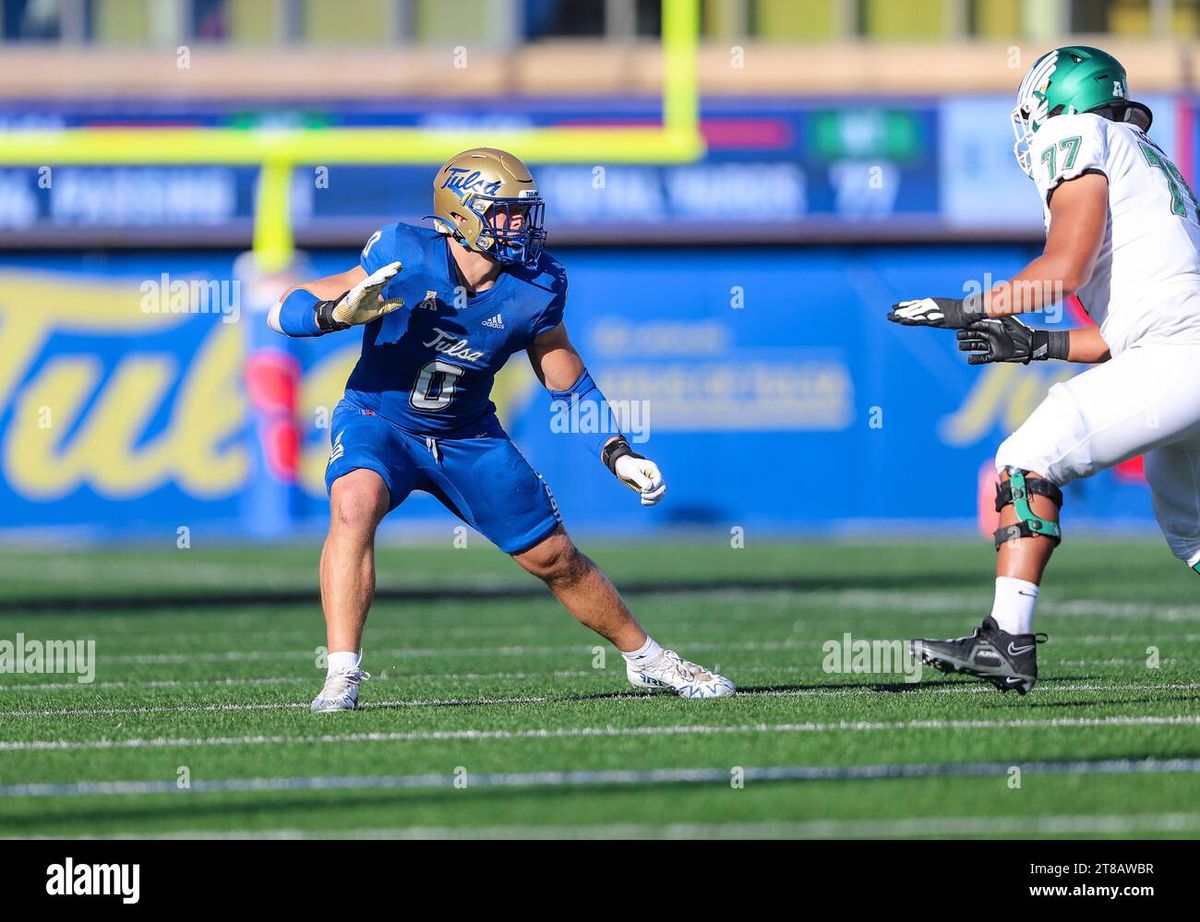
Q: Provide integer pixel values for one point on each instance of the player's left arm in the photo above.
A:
(1079, 216)
(562, 372)
(1006, 339)
(1078, 220)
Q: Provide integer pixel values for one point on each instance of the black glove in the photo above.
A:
(949, 313)
(325, 319)
(1006, 339)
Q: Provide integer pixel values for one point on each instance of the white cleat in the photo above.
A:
(672, 672)
(340, 692)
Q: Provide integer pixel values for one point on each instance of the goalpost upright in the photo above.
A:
(278, 151)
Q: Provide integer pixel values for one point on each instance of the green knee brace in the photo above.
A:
(1029, 524)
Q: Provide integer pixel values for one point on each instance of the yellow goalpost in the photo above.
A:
(278, 151)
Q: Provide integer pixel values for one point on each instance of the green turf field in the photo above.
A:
(479, 677)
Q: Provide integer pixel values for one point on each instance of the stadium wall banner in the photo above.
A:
(793, 168)
(773, 166)
(141, 393)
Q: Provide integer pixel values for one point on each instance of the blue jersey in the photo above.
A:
(429, 366)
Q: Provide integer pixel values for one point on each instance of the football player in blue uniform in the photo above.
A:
(442, 310)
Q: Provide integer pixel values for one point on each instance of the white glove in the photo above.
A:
(362, 303)
(952, 313)
(641, 475)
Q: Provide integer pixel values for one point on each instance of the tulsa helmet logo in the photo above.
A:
(464, 180)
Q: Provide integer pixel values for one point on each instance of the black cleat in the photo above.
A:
(1005, 660)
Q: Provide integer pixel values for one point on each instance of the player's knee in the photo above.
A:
(1035, 502)
(358, 503)
(555, 560)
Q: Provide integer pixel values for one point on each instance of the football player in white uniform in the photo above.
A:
(1122, 234)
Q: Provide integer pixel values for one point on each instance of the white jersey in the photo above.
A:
(1146, 284)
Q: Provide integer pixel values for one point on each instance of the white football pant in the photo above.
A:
(1146, 400)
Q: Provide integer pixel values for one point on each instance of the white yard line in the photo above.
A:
(583, 732)
(1111, 661)
(606, 777)
(1043, 824)
(881, 601)
(426, 652)
(274, 706)
(316, 676)
(484, 701)
(795, 643)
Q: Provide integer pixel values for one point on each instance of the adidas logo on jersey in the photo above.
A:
(496, 323)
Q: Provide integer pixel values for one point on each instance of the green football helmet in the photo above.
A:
(1066, 81)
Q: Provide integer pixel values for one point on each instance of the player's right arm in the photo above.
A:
(335, 302)
(1071, 178)
(1079, 219)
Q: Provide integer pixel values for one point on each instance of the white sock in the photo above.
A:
(647, 652)
(342, 662)
(1015, 601)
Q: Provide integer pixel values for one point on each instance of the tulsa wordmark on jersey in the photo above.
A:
(431, 370)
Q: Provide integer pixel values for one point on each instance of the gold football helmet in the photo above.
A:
(486, 199)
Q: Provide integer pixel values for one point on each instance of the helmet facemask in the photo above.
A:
(1031, 112)
(508, 230)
